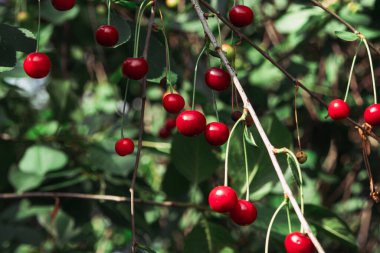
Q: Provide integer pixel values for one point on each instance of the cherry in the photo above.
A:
(173, 103)
(170, 124)
(244, 213)
(338, 109)
(301, 157)
(235, 116)
(241, 15)
(372, 115)
(297, 242)
(107, 35)
(124, 147)
(222, 199)
(217, 79)
(249, 120)
(216, 133)
(229, 51)
(164, 133)
(63, 5)
(37, 65)
(190, 123)
(135, 68)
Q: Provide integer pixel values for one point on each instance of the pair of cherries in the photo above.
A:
(167, 129)
(338, 109)
(223, 199)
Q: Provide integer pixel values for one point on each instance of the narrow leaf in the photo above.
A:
(347, 36)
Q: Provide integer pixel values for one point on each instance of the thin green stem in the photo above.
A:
(228, 149)
(39, 26)
(215, 105)
(372, 73)
(167, 51)
(352, 70)
(109, 12)
(195, 74)
(288, 215)
(140, 13)
(219, 31)
(124, 104)
(246, 165)
(270, 225)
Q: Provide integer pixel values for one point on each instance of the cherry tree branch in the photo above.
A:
(114, 198)
(341, 20)
(141, 131)
(281, 68)
(259, 127)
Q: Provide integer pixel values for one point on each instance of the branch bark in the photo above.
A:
(258, 125)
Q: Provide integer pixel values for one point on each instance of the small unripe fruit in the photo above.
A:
(301, 157)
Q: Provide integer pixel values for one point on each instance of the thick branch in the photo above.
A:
(282, 69)
(259, 127)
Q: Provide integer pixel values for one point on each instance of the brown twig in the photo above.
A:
(141, 131)
(281, 68)
(350, 27)
(114, 198)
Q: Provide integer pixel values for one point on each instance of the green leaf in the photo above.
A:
(347, 36)
(40, 159)
(19, 38)
(122, 27)
(249, 137)
(8, 57)
(127, 4)
(193, 157)
(22, 181)
(294, 170)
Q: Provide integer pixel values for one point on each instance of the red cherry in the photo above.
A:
(37, 65)
(338, 109)
(107, 35)
(135, 68)
(297, 242)
(170, 124)
(372, 115)
(164, 133)
(222, 199)
(244, 213)
(63, 5)
(190, 123)
(217, 79)
(124, 147)
(241, 15)
(173, 103)
(216, 133)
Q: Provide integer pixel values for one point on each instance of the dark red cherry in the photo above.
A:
(338, 109)
(297, 242)
(164, 133)
(190, 123)
(170, 124)
(63, 5)
(37, 65)
(107, 35)
(222, 199)
(244, 213)
(135, 68)
(124, 147)
(372, 115)
(216, 133)
(235, 116)
(173, 103)
(241, 15)
(217, 79)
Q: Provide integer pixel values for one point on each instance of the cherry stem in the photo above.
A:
(167, 51)
(219, 32)
(246, 164)
(109, 12)
(352, 70)
(372, 73)
(271, 223)
(296, 118)
(215, 105)
(228, 147)
(288, 215)
(124, 104)
(140, 13)
(38, 26)
(195, 74)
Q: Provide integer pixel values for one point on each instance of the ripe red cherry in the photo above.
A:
(124, 147)
(222, 199)
(135, 68)
(63, 5)
(170, 124)
(173, 103)
(37, 65)
(241, 15)
(372, 115)
(338, 109)
(217, 79)
(297, 242)
(164, 133)
(216, 133)
(107, 35)
(244, 213)
(190, 123)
